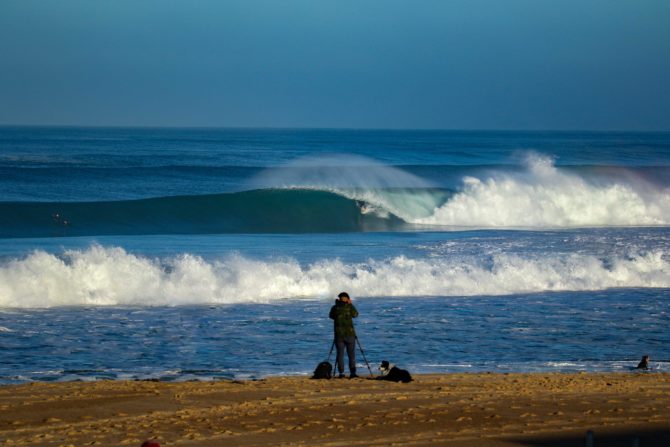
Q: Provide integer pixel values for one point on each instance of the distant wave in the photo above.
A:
(305, 199)
(107, 276)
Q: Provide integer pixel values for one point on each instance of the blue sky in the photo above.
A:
(449, 64)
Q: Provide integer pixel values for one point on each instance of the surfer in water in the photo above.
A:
(362, 206)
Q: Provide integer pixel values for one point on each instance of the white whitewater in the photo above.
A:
(546, 196)
(100, 276)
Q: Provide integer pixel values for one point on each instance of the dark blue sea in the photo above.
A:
(181, 254)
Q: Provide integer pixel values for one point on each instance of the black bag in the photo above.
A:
(324, 370)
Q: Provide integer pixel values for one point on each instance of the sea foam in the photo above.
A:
(108, 276)
(546, 196)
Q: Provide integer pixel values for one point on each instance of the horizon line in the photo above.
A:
(390, 129)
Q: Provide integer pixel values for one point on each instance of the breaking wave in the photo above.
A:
(540, 195)
(545, 196)
(313, 199)
(109, 276)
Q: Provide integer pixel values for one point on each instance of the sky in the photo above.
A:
(422, 64)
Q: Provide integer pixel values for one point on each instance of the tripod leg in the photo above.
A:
(331, 351)
(363, 353)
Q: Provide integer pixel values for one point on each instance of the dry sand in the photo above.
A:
(450, 410)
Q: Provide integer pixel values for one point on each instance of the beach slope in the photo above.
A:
(452, 410)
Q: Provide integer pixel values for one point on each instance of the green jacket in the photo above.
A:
(343, 315)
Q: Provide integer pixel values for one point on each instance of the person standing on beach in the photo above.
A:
(343, 313)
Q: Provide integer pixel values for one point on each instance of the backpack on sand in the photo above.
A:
(324, 370)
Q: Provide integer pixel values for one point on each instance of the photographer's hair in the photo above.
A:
(343, 295)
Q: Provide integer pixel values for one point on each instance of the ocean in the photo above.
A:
(204, 254)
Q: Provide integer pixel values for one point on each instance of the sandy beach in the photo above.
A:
(453, 409)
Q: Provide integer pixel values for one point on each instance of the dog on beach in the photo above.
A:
(393, 373)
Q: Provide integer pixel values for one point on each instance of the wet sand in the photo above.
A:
(450, 410)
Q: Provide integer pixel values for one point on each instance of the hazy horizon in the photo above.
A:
(289, 128)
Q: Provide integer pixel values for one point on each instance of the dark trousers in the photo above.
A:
(350, 344)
